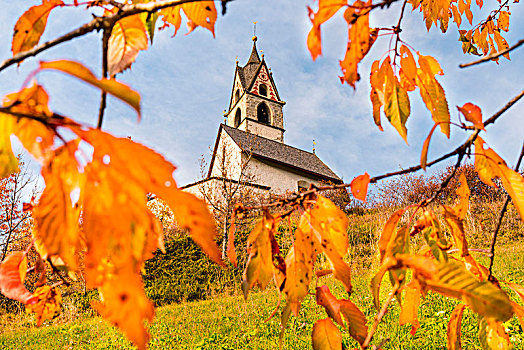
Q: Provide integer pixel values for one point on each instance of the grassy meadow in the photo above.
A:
(228, 322)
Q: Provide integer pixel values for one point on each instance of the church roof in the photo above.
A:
(260, 147)
(248, 72)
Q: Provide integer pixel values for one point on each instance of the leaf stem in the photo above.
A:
(492, 56)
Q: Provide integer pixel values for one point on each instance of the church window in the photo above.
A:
(262, 89)
(238, 117)
(303, 186)
(263, 113)
(237, 96)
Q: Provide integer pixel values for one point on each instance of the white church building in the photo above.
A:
(250, 147)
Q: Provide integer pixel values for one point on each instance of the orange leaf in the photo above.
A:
(111, 86)
(489, 165)
(457, 229)
(396, 106)
(407, 62)
(360, 40)
(503, 21)
(473, 114)
(199, 13)
(425, 148)
(326, 10)
(231, 253)
(326, 336)
(125, 305)
(517, 289)
(492, 335)
(463, 192)
(31, 25)
(56, 217)
(48, 304)
(359, 186)
(387, 235)
(377, 91)
(259, 267)
(12, 275)
(454, 324)
(409, 308)
(502, 44)
(127, 38)
(8, 161)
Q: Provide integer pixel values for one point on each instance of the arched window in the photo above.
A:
(262, 89)
(263, 113)
(238, 117)
(237, 96)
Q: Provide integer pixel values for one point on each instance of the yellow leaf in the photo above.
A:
(377, 87)
(453, 280)
(502, 44)
(127, 38)
(517, 289)
(299, 266)
(457, 229)
(396, 107)
(388, 234)
(326, 336)
(463, 192)
(492, 335)
(489, 165)
(407, 62)
(259, 267)
(48, 304)
(434, 97)
(425, 148)
(12, 275)
(199, 13)
(31, 25)
(111, 86)
(454, 324)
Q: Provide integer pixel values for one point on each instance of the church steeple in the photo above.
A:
(255, 105)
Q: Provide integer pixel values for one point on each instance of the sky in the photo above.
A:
(185, 83)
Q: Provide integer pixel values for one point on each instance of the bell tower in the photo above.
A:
(255, 105)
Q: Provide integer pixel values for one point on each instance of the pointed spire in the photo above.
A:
(254, 58)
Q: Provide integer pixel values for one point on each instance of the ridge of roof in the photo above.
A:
(280, 153)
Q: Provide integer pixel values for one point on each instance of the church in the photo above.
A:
(250, 148)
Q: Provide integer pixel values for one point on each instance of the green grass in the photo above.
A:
(232, 323)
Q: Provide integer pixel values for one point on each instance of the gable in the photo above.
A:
(237, 86)
(263, 78)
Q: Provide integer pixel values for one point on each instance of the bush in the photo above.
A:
(185, 273)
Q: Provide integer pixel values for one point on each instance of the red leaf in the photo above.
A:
(473, 114)
(359, 186)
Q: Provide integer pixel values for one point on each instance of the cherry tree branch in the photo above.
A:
(492, 56)
(499, 223)
(103, 96)
(97, 24)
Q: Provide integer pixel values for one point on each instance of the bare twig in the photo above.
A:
(96, 24)
(492, 56)
(499, 223)
(380, 315)
(397, 30)
(103, 96)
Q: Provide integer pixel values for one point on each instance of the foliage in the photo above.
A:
(113, 177)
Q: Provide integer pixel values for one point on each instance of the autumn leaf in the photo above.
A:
(48, 304)
(230, 251)
(111, 86)
(360, 40)
(425, 148)
(127, 38)
(199, 14)
(359, 186)
(326, 10)
(410, 305)
(503, 21)
(489, 165)
(457, 229)
(31, 25)
(396, 105)
(463, 193)
(517, 288)
(56, 217)
(388, 234)
(124, 304)
(377, 79)
(259, 267)
(12, 275)
(492, 335)
(502, 44)
(335, 308)
(326, 336)
(453, 280)
(8, 161)
(454, 324)
(473, 114)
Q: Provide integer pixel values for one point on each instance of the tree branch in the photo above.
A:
(103, 96)
(499, 223)
(97, 24)
(492, 56)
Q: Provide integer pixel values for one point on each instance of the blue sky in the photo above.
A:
(185, 84)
